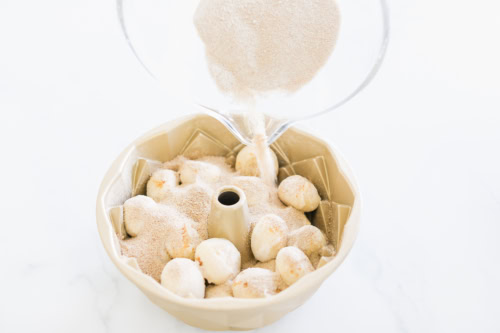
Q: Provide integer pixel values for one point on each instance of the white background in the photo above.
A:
(423, 139)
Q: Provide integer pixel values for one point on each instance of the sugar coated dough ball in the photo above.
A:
(255, 283)
(300, 193)
(136, 211)
(183, 277)
(217, 291)
(246, 162)
(256, 191)
(161, 183)
(307, 238)
(182, 239)
(292, 264)
(195, 171)
(268, 237)
(219, 260)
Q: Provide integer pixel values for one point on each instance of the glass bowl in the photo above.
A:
(163, 37)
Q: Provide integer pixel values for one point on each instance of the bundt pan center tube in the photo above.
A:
(229, 219)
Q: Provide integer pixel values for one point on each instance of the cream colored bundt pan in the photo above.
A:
(195, 135)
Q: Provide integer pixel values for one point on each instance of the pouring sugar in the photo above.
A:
(258, 46)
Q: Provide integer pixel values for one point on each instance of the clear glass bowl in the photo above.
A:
(163, 37)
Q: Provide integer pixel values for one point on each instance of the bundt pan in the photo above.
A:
(197, 135)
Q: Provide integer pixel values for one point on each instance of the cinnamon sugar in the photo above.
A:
(255, 46)
(186, 207)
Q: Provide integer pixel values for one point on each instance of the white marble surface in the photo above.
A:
(423, 140)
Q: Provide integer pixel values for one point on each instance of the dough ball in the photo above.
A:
(307, 238)
(268, 237)
(256, 191)
(136, 211)
(300, 193)
(198, 171)
(292, 264)
(182, 277)
(182, 239)
(219, 260)
(161, 183)
(246, 162)
(217, 291)
(255, 283)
